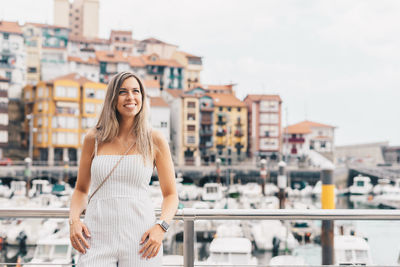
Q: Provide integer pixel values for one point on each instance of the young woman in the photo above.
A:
(120, 227)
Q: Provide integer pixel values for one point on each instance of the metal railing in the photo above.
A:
(190, 215)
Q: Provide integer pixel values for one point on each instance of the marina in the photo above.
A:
(261, 242)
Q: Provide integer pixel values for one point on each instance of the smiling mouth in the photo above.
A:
(130, 105)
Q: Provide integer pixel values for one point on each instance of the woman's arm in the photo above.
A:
(166, 176)
(80, 195)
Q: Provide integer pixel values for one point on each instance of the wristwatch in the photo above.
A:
(164, 225)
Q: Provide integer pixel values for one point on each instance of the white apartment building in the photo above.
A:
(12, 57)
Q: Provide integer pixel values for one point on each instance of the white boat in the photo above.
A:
(212, 192)
(270, 189)
(189, 192)
(390, 201)
(53, 250)
(385, 187)
(351, 250)
(18, 188)
(265, 231)
(4, 190)
(39, 187)
(361, 185)
(230, 251)
(287, 260)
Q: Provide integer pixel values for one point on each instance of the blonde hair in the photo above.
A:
(107, 126)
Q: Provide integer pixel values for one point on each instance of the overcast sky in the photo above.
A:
(334, 62)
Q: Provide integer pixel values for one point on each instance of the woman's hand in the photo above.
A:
(152, 242)
(76, 231)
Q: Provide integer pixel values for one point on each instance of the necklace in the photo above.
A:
(126, 147)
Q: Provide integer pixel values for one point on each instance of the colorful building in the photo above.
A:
(63, 110)
(304, 136)
(264, 126)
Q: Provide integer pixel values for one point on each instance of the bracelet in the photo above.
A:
(71, 221)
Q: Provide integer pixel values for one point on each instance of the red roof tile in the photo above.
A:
(115, 56)
(10, 27)
(136, 62)
(304, 127)
(89, 61)
(174, 92)
(74, 77)
(226, 100)
(158, 102)
(263, 97)
(42, 25)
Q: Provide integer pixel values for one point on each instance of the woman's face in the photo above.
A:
(129, 98)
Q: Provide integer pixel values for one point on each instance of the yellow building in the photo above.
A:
(63, 109)
(192, 67)
(229, 128)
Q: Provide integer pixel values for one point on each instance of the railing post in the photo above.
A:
(327, 202)
(188, 242)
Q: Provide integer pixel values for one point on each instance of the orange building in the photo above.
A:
(63, 110)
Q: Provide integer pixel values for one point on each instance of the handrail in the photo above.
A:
(230, 214)
(189, 215)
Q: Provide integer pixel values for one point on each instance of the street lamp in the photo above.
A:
(27, 173)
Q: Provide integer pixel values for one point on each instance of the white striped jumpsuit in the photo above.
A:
(119, 213)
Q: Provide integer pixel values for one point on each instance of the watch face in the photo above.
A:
(165, 225)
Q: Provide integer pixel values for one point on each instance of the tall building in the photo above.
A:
(63, 110)
(3, 115)
(81, 16)
(12, 57)
(264, 127)
(184, 126)
(122, 41)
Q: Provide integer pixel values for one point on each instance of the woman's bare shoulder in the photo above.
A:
(157, 137)
(91, 135)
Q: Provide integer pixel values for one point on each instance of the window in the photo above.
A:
(164, 124)
(191, 128)
(9, 75)
(32, 70)
(90, 93)
(191, 117)
(27, 94)
(191, 139)
(72, 92)
(220, 108)
(89, 108)
(191, 104)
(60, 91)
(3, 118)
(238, 109)
(229, 108)
(6, 36)
(101, 94)
(3, 136)
(40, 92)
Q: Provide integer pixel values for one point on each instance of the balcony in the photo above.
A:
(221, 132)
(206, 132)
(295, 140)
(239, 133)
(206, 144)
(206, 109)
(206, 121)
(221, 121)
